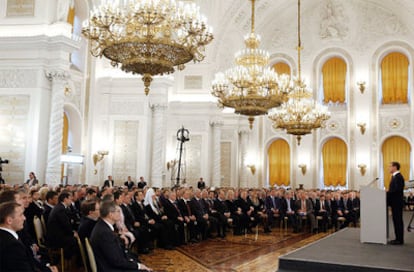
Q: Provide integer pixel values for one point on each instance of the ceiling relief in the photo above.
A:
(333, 24)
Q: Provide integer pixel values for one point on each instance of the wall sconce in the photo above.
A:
(252, 168)
(362, 169)
(302, 168)
(99, 156)
(171, 164)
(361, 86)
(362, 127)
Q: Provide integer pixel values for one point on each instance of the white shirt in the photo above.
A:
(109, 224)
(12, 232)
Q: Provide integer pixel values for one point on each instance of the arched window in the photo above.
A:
(394, 78)
(279, 163)
(334, 80)
(282, 68)
(398, 149)
(335, 158)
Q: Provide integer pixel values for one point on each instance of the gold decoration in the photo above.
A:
(300, 114)
(148, 37)
(250, 87)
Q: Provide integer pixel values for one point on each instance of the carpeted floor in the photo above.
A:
(234, 253)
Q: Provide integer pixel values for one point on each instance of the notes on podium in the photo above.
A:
(373, 214)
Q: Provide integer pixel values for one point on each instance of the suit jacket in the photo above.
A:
(172, 212)
(59, 226)
(85, 227)
(35, 181)
(140, 213)
(108, 251)
(284, 206)
(308, 203)
(14, 256)
(337, 205)
(318, 206)
(201, 185)
(107, 184)
(142, 184)
(129, 218)
(32, 211)
(129, 184)
(395, 194)
(46, 212)
(276, 204)
(220, 206)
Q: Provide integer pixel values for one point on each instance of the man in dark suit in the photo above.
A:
(109, 182)
(201, 184)
(395, 199)
(90, 215)
(288, 209)
(51, 201)
(129, 183)
(305, 209)
(60, 233)
(106, 245)
(141, 183)
(14, 256)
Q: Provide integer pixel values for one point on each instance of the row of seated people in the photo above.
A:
(168, 216)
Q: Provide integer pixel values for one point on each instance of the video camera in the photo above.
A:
(1, 163)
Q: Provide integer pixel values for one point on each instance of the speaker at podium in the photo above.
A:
(373, 214)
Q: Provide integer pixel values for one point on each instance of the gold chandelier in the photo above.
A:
(147, 37)
(251, 87)
(300, 114)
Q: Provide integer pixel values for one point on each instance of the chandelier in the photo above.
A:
(147, 37)
(300, 114)
(250, 87)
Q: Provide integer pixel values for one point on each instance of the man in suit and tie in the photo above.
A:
(395, 199)
(60, 232)
(305, 209)
(201, 184)
(129, 183)
(14, 256)
(109, 183)
(106, 245)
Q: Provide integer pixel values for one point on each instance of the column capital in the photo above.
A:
(244, 131)
(159, 107)
(216, 123)
(57, 75)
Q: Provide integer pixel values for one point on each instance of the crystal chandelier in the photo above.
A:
(147, 37)
(250, 87)
(300, 114)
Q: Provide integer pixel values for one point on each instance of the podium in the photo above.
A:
(373, 215)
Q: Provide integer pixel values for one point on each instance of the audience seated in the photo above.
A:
(165, 217)
(108, 250)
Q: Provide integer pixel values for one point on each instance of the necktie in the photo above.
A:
(274, 202)
(288, 204)
(188, 208)
(323, 206)
(303, 205)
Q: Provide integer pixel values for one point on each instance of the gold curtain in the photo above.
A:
(397, 149)
(71, 14)
(279, 163)
(334, 156)
(282, 68)
(334, 76)
(394, 75)
(65, 138)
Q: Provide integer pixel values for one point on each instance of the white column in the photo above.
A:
(158, 143)
(216, 165)
(53, 168)
(243, 142)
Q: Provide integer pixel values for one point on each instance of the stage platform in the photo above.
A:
(343, 251)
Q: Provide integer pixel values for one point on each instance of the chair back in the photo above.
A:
(39, 231)
(91, 256)
(82, 253)
(42, 219)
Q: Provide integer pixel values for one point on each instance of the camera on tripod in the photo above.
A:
(1, 163)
